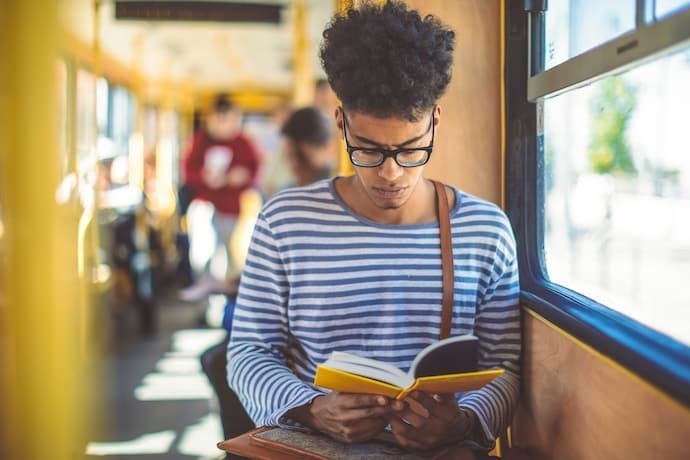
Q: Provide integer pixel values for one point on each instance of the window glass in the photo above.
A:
(86, 137)
(617, 192)
(150, 128)
(102, 106)
(664, 7)
(123, 113)
(575, 26)
(65, 190)
(86, 108)
(61, 88)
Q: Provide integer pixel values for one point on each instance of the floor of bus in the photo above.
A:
(154, 399)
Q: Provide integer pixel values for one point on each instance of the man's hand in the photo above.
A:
(422, 421)
(238, 176)
(214, 180)
(346, 417)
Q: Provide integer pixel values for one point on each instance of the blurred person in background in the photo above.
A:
(275, 173)
(307, 144)
(185, 196)
(325, 99)
(220, 164)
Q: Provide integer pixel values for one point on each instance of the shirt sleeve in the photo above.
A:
(497, 325)
(256, 158)
(257, 368)
(194, 162)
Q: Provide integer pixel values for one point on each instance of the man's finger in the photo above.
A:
(350, 415)
(406, 435)
(358, 400)
(417, 407)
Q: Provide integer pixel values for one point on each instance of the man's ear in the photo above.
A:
(339, 114)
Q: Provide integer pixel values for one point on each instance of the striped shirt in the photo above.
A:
(320, 278)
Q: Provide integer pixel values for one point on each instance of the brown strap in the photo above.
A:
(447, 264)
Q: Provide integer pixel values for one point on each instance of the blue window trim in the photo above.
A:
(658, 359)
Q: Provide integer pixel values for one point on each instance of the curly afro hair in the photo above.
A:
(387, 61)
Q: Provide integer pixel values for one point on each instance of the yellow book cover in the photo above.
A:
(446, 366)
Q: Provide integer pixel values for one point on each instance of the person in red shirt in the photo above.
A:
(307, 142)
(220, 164)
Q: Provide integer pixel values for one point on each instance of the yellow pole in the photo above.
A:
(39, 319)
(303, 73)
(345, 168)
(136, 140)
(343, 5)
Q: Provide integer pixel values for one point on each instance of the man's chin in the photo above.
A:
(389, 205)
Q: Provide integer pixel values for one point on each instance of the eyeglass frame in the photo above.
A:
(389, 153)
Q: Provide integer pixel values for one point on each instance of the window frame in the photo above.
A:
(655, 357)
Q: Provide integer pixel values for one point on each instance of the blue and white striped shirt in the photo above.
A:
(320, 278)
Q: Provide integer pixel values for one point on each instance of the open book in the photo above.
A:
(446, 366)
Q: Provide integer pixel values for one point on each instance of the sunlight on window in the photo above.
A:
(665, 7)
(617, 192)
(575, 26)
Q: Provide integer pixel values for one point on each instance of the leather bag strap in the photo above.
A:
(447, 263)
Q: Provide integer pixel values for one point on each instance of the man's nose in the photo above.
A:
(390, 170)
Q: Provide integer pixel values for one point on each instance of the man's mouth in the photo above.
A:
(389, 192)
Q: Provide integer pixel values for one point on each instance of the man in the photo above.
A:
(220, 164)
(353, 263)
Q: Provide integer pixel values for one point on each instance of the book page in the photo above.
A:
(369, 368)
(453, 355)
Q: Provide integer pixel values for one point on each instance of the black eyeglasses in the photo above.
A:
(407, 158)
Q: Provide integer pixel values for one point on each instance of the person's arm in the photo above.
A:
(194, 161)
(256, 160)
(497, 325)
(257, 370)
(244, 175)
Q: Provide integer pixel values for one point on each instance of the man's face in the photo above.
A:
(224, 125)
(388, 186)
(308, 162)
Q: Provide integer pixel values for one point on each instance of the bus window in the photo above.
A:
(86, 105)
(665, 7)
(61, 88)
(598, 179)
(123, 116)
(617, 192)
(102, 106)
(86, 137)
(575, 26)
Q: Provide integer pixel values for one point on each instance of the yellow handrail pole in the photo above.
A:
(41, 367)
(345, 168)
(71, 116)
(303, 72)
(164, 202)
(343, 5)
(136, 140)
